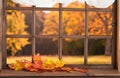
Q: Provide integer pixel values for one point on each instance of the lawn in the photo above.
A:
(100, 59)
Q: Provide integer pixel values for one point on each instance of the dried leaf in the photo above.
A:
(36, 57)
(46, 65)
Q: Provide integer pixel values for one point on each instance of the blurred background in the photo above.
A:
(19, 22)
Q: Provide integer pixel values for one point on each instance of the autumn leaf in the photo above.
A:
(47, 62)
(67, 69)
(59, 63)
(27, 65)
(11, 66)
(18, 65)
(84, 70)
(46, 65)
(36, 57)
(37, 65)
(33, 70)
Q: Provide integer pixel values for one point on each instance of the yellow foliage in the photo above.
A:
(18, 65)
(16, 25)
(73, 22)
(10, 3)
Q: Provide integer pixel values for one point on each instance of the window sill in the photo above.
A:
(92, 72)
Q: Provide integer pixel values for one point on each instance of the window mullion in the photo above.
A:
(114, 54)
(86, 36)
(1, 23)
(4, 50)
(33, 32)
(60, 33)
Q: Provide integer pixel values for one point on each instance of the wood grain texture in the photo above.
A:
(92, 72)
(0, 34)
(118, 34)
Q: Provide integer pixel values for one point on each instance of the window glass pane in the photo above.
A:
(47, 47)
(73, 23)
(73, 51)
(75, 4)
(100, 51)
(18, 48)
(18, 22)
(100, 23)
(110, 7)
(11, 3)
(47, 22)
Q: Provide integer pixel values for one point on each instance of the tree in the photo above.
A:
(10, 3)
(16, 25)
(73, 23)
(51, 23)
(39, 21)
(101, 24)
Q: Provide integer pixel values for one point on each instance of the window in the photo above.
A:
(72, 31)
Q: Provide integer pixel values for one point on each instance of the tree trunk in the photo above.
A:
(107, 43)
(107, 47)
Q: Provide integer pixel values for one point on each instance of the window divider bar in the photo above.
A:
(73, 9)
(86, 51)
(19, 36)
(99, 10)
(57, 36)
(86, 35)
(60, 33)
(33, 32)
(99, 37)
(18, 8)
(57, 9)
(31, 8)
(73, 36)
(4, 49)
(46, 36)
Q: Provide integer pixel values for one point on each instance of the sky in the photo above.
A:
(45, 3)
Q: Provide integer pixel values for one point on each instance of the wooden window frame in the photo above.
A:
(118, 36)
(60, 9)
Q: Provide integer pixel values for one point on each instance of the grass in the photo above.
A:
(99, 59)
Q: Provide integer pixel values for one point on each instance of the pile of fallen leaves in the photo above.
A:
(39, 65)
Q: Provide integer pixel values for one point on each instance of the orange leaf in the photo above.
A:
(36, 57)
